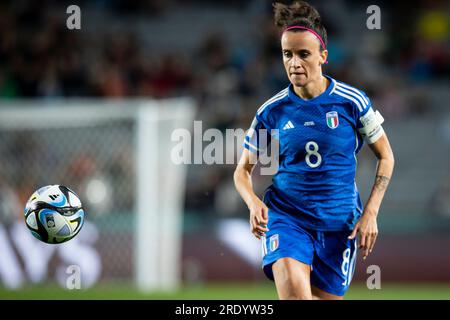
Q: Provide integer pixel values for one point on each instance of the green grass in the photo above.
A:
(229, 291)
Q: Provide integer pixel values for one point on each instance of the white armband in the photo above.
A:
(371, 129)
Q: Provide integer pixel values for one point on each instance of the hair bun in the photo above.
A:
(299, 12)
(302, 9)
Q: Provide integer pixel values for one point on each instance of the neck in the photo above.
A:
(312, 89)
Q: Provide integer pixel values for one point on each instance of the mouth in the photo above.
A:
(297, 74)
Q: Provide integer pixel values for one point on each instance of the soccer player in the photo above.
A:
(311, 219)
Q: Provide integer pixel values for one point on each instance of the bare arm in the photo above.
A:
(243, 183)
(242, 177)
(385, 167)
(366, 227)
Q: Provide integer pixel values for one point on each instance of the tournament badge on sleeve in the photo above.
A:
(274, 242)
(332, 119)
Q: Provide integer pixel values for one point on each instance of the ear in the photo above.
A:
(323, 57)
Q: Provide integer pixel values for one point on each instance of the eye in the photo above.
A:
(287, 54)
(304, 54)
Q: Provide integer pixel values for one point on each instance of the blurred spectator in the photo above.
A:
(441, 202)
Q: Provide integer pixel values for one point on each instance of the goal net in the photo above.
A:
(116, 156)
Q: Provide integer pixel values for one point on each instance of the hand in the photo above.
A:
(258, 218)
(367, 231)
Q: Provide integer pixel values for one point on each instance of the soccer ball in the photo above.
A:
(54, 214)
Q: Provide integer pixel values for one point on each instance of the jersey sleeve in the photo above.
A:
(258, 137)
(368, 121)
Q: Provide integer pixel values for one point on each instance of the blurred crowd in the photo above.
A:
(396, 66)
(40, 57)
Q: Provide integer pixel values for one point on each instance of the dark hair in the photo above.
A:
(299, 13)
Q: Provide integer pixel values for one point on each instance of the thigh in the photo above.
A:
(333, 264)
(292, 279)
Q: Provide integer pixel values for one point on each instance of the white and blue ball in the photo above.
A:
(54, 214)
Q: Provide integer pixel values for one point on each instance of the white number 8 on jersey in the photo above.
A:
(312, 152)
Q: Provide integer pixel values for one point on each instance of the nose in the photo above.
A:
(296, 62)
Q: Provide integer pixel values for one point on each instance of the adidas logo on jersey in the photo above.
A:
(288, 125)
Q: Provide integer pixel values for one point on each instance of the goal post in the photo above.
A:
(159, 205)
(133, 192)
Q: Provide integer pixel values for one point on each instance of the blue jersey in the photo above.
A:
(318, 142)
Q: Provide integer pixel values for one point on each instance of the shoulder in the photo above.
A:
(273, 102)
(350, 94)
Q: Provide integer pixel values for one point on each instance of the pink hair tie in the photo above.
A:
(313, 32)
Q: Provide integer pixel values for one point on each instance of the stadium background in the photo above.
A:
(225, 55)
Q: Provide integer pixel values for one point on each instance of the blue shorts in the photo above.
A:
(331, 255)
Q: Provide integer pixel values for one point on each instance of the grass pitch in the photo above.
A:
(221, 291)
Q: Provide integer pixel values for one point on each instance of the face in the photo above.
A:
(302, 57)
